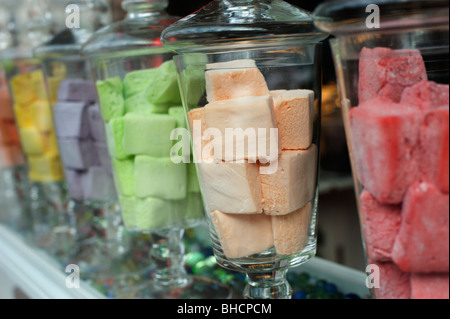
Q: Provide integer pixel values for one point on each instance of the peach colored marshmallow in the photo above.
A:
(294, 113)
(245, 125)
(200, 140)
(229, 80)
(233, 188)
(243, 235)
(294, 183)
(291, 232)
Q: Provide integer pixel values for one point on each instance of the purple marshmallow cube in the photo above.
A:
(73, 181)
(71, 120)
(98, 184)
(78, 154)
(96, 124)
(77, 90)
(103, 156)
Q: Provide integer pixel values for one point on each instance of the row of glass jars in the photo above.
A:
(249, 70)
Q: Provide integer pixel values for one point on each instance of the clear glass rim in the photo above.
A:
(220, 26)
(341, 17)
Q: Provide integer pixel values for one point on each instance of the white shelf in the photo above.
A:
(40, 277)
(347, 279)
(34, 272)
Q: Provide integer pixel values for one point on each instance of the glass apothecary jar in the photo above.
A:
(392, 64)
(250, 75)
(101, 238)
(14, 202)
(33, 25)
(141, 105)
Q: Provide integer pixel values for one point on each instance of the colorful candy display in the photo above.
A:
(400, 134)
(140, 114)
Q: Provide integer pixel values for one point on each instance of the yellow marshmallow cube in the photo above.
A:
(24, 117)
(22, 88)
(50, 143)
(47, 168)
(38, 83)
(42, 115)
(32, 141)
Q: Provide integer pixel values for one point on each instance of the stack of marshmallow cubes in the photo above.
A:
(400, 147)
(140, 112)
(82, 142)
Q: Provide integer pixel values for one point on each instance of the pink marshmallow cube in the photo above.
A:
(434, 140)
(386, 73)
(431, 286)
(380, 225)
(422, 244)
(426, 95)
(385, 141)
(393, 283)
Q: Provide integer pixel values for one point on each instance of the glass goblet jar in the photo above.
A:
(250, 75)
(393, 83)
(141, 105)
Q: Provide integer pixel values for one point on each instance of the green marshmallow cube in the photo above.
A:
(115, 138)
(148, 134)
(124, 176)
(110, 93)
(137, 81)
(139, 104)
(150, 213)
(163, 87)
(128, 207)
(178, 114)
(160, 177)
(193, 185)
(194, 207)
(194, 86)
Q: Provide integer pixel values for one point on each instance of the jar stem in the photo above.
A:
(268, 285)
(168, 253)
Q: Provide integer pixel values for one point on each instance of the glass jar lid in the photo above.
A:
(31, 24)
(139, 32)
(69, 42)
(357, 16)
(238, 24)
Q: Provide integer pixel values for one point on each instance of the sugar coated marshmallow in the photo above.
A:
(386, 73)
(386, 146)
(422, 244)
(380, 224)
(429, 286)
(392, 282)
(434, 141)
